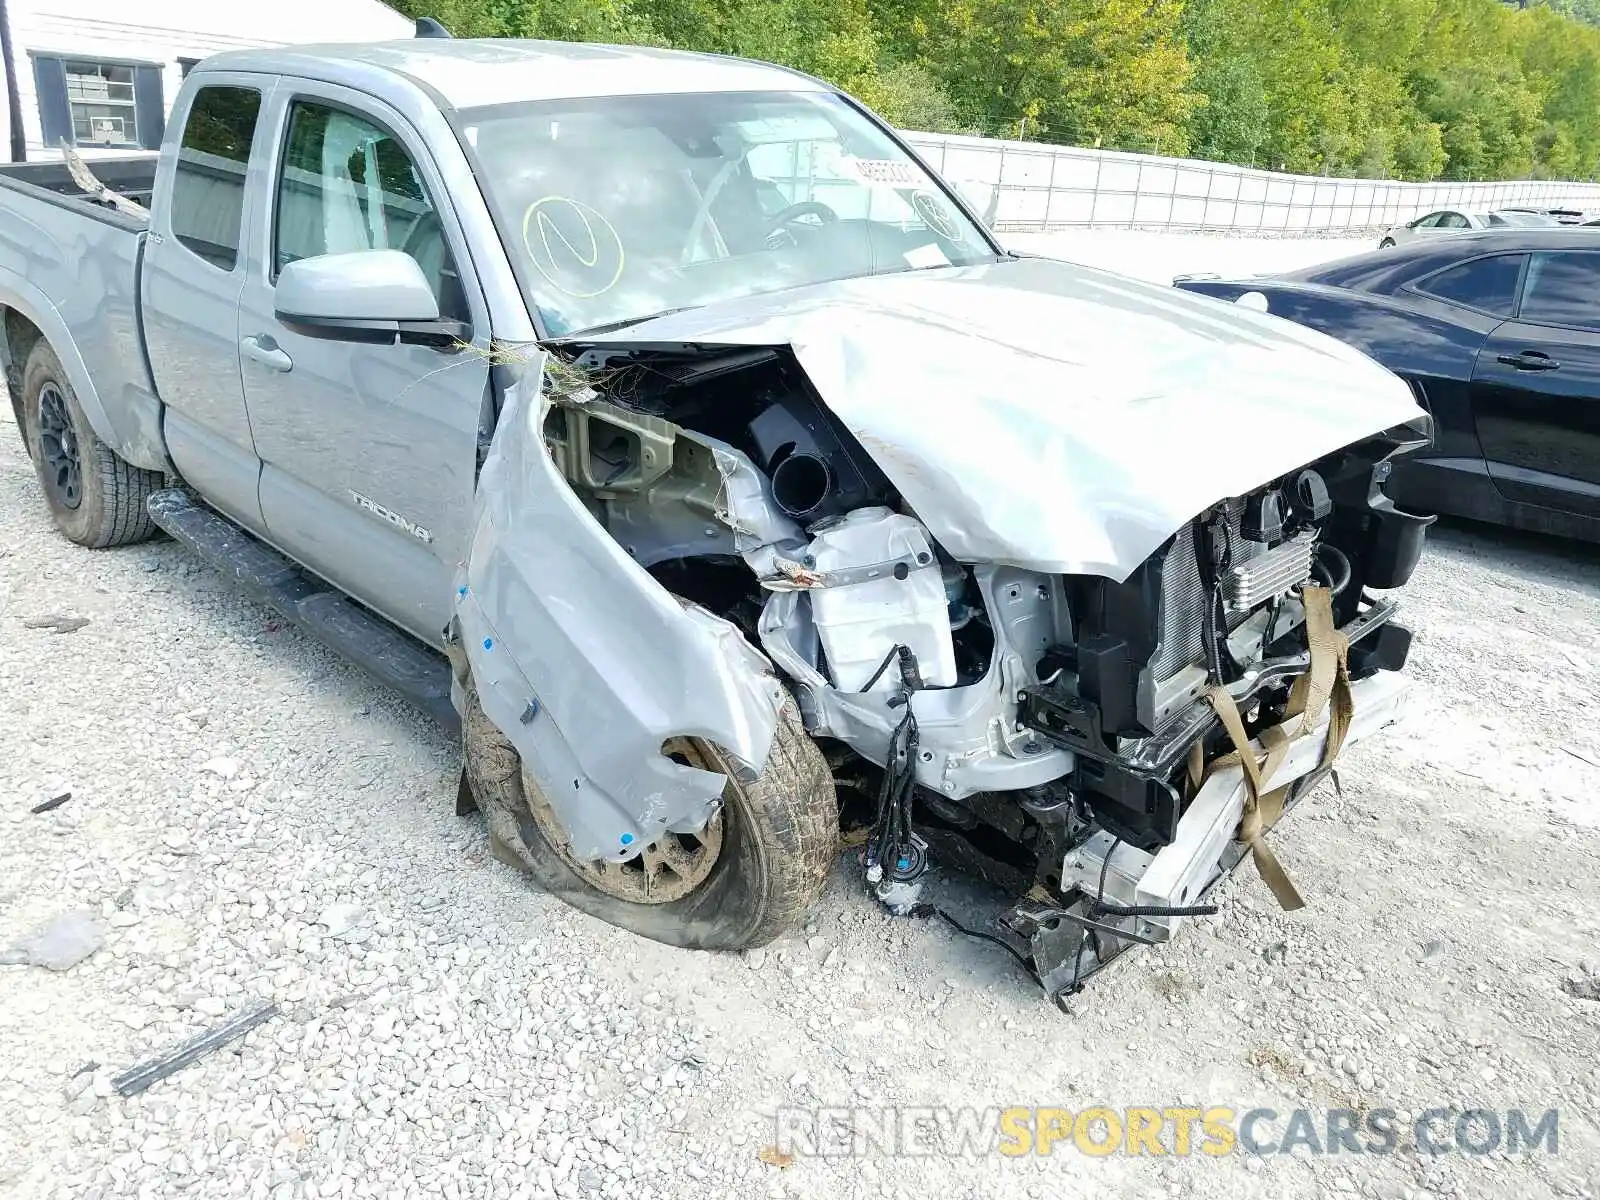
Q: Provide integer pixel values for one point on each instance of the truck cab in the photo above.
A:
(355, 447)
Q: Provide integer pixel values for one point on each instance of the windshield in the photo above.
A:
(623, 207)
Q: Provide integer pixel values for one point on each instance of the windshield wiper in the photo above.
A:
(613, 326)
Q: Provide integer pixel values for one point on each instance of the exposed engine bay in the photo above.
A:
(1058, 735)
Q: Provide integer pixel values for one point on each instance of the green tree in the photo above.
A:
(1470, 89)
(1419, 152)
(1233, 122)
(910, 96)
(562, 20)
(1488, 116)
(1113, 74)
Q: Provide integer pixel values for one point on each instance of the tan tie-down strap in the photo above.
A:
(1326, 682)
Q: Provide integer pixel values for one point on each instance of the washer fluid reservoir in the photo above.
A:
(883, 588)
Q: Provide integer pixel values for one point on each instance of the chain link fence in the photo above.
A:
(1029, 186)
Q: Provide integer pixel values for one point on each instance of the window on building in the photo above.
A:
(99, 102)
(100, 96)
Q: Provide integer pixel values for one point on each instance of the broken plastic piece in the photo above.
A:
(53, 802)
(136, 1079)
(58, 624)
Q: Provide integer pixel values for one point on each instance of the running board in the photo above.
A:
(390, 656)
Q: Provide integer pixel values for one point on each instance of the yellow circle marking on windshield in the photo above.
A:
(578, 264)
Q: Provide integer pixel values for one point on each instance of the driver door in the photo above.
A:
(368, 446)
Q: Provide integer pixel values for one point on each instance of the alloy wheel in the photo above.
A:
(58, 447)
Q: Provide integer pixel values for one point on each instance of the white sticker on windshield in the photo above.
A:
(882, 170)
(930, 255)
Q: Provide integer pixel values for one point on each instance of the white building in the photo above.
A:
(103, 73)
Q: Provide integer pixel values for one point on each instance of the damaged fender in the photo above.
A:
(587, 664)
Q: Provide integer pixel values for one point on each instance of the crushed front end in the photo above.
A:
(1257, 630)
(1081, 742)
(1000, 614)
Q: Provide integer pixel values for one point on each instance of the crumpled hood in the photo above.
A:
(1053, 417)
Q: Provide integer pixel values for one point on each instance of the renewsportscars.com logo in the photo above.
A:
(1215, 1131)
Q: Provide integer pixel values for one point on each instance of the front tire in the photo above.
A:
(775, 843)
(95, 498)
(1386, 244)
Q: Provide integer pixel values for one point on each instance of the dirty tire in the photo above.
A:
(106, 507)
(780, 842)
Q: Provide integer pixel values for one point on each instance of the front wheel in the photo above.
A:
(95, 498)
(753, 872)
(1386, 244)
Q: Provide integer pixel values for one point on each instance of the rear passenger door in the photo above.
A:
(368, 447)
(192, 278)
(1536, 387)
(1480, 293)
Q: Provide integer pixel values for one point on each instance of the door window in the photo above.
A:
(1487, 284)
(349, 185)
(1452, 220)
(1563, 289)
(208, 184)
(1427, 222)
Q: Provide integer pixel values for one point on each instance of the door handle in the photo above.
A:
(1529, 360)
(265, 350)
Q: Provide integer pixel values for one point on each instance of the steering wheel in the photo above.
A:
(780, 221)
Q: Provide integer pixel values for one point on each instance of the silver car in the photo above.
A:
(1450, 220)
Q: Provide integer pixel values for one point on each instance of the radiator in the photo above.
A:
(1258, 574)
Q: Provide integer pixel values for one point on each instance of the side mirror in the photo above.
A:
(363, 296)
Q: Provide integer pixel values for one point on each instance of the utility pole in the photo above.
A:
(19, 139)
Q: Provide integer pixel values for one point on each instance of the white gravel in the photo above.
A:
(251, 818)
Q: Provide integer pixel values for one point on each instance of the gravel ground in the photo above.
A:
(251, 818)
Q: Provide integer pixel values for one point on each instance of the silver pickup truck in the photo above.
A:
(664, 422)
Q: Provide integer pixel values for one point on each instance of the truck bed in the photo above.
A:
(133, 175)
(69, 266)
